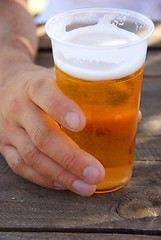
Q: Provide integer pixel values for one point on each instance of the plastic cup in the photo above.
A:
(99, 57)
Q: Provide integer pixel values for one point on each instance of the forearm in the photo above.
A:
(17, 33)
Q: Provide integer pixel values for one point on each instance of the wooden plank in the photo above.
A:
(45, 59)
(148, 148)
(70, 236)
(44, 40)
(134, 208)
(152, 64)
(155, 40)
(150, 107)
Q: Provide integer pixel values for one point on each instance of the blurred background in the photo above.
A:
(44, 9)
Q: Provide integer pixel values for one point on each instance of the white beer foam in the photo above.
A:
(99, 52)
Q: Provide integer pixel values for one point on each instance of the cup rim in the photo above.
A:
(114, 10)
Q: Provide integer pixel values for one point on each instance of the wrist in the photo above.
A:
(13, 62)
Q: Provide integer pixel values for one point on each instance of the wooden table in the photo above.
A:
(28, 211)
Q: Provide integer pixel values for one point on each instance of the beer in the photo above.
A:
(111, 109)
(110, 105)
(99, 57)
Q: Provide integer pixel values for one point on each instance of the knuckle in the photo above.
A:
(70, 159)
(30, 155)
(58, 102)
(36, 86)
(14, 106)
(39, 179)
(3, 139)
(61, 176)
(16, 166)
(40, 137)
(54, 107)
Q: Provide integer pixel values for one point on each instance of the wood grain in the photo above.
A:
(148, 148)
(45, 58)
(70, 236)
(150, 107)
(153, 63)
(134, 208)
(155, 40)
(28, 211)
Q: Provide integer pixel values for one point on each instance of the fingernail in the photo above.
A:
(81, 187)
(91, 174)
(72, 119)
(58, 186)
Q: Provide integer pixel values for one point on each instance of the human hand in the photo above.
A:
(31, 141)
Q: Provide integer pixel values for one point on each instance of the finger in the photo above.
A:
(19, 167)
(48, 168)
(47, 96)
(50, 140)
(139, 116)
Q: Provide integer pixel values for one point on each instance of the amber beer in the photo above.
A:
(99, 65)
(111, 108)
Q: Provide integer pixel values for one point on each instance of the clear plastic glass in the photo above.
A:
(99, 57)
